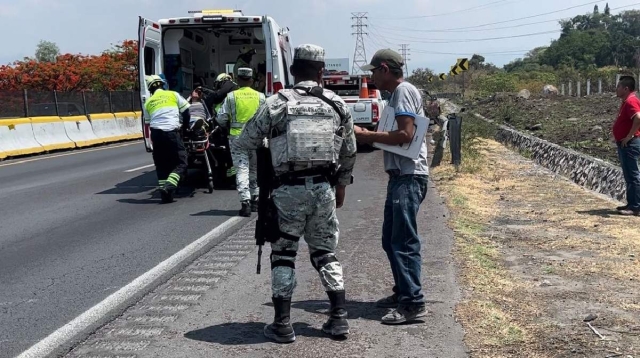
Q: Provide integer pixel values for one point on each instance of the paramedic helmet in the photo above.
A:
(153, 79)
(248, 51)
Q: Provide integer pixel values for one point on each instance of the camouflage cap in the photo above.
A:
(309, 52)
(244, 72)
(387, 57)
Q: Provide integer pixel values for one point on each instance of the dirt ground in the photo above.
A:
(583, 124)
(537, 256)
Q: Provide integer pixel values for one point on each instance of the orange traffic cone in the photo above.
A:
(364, 89)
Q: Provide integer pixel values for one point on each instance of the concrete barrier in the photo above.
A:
(17, 138)
(105, 127)
(128, 125)
(80, 131)
(589, 172)
(51, 134)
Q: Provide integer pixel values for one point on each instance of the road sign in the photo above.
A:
(463, 64)
(455, 70)
(442, 76)
(430, 78)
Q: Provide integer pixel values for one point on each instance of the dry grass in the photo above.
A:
(536, 255)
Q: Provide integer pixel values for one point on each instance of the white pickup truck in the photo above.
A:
(364, 110)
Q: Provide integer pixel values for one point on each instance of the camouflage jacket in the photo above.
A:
(271, 117)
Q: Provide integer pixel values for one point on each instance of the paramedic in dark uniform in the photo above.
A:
(169, 155)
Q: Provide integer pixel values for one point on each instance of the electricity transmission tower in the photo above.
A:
(404, 51)
(359, 55)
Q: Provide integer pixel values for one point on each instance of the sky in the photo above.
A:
(436, 32)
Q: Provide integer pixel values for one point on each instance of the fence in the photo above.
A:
(29, 103)
(589, 87)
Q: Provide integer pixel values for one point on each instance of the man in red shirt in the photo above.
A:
(626, 131)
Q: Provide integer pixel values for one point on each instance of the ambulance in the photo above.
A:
(199, 47)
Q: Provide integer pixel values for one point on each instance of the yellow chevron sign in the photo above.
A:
(442, 76)
(455, 70)
(430, 78)
(463, 64)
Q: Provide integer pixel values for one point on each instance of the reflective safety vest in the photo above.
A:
(244, 103)
(164, 108)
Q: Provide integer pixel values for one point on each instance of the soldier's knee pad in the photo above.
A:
(283, 262)
(322, 258)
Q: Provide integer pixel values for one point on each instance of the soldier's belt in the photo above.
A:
(293, 181)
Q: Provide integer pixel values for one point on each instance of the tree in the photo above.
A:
(115, 69)
(47, 51)
(607, 11)
(476, 61)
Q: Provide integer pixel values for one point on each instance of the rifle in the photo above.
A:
(267, 224)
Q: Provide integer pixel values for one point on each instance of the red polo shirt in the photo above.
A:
(624, 122)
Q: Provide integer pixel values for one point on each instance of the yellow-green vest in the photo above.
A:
(244, 103)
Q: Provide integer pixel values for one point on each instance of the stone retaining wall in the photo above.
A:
(584, 170)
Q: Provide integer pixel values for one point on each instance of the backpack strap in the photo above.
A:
(318, 93)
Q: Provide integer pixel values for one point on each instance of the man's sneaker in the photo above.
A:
(404, 314)
(629, 212)
(246, 209)
(388, 302)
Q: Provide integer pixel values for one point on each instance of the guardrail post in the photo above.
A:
(570, 88)
(562, 90)
(25, 99)
(55, 100)
(455, 140)
(588, 87)
(110, 103)
(579, 90)
(84, 103)
(599, 85)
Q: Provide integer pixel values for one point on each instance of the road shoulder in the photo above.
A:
(218, 305)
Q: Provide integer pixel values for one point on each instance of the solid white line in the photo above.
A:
(95, 313)
(139, 168)
(67, 154)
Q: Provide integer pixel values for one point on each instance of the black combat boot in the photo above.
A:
(246, 209)
(166, 194)
(254, 204)
(337, 324)
(281, 330)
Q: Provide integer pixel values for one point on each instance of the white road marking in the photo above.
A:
(139, 168)
(66, 154)
(115, 300)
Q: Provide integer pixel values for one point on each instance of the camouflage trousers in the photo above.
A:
(246, 172)
(310, 213)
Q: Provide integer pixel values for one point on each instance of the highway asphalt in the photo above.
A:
(77, 226)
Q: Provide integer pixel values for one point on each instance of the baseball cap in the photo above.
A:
(385, 56)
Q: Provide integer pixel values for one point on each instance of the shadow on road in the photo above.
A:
(355, 309)
(244, 333)
(136, 185)
(605, 213)
(154, 197)
(216, 212)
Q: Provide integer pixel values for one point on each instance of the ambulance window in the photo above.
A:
(149, 61)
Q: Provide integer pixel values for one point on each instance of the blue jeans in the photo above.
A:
(629, 157)
(400, 239)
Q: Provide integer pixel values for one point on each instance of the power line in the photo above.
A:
(359, 54)
(466, 29)
(423, 40)
(479, 7)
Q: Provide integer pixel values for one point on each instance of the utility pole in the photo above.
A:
(359, 55)
(404, 51)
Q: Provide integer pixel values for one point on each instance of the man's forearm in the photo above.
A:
(390, 138)
(635, 126)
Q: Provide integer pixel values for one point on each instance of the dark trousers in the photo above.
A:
(400, 239)
(629, 157)
(169, 156)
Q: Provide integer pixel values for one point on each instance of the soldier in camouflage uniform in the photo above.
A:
(306, 204)
(239, 106)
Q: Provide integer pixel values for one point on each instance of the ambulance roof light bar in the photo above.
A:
(216, 12)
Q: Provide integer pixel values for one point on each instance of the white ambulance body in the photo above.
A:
(198, 47)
